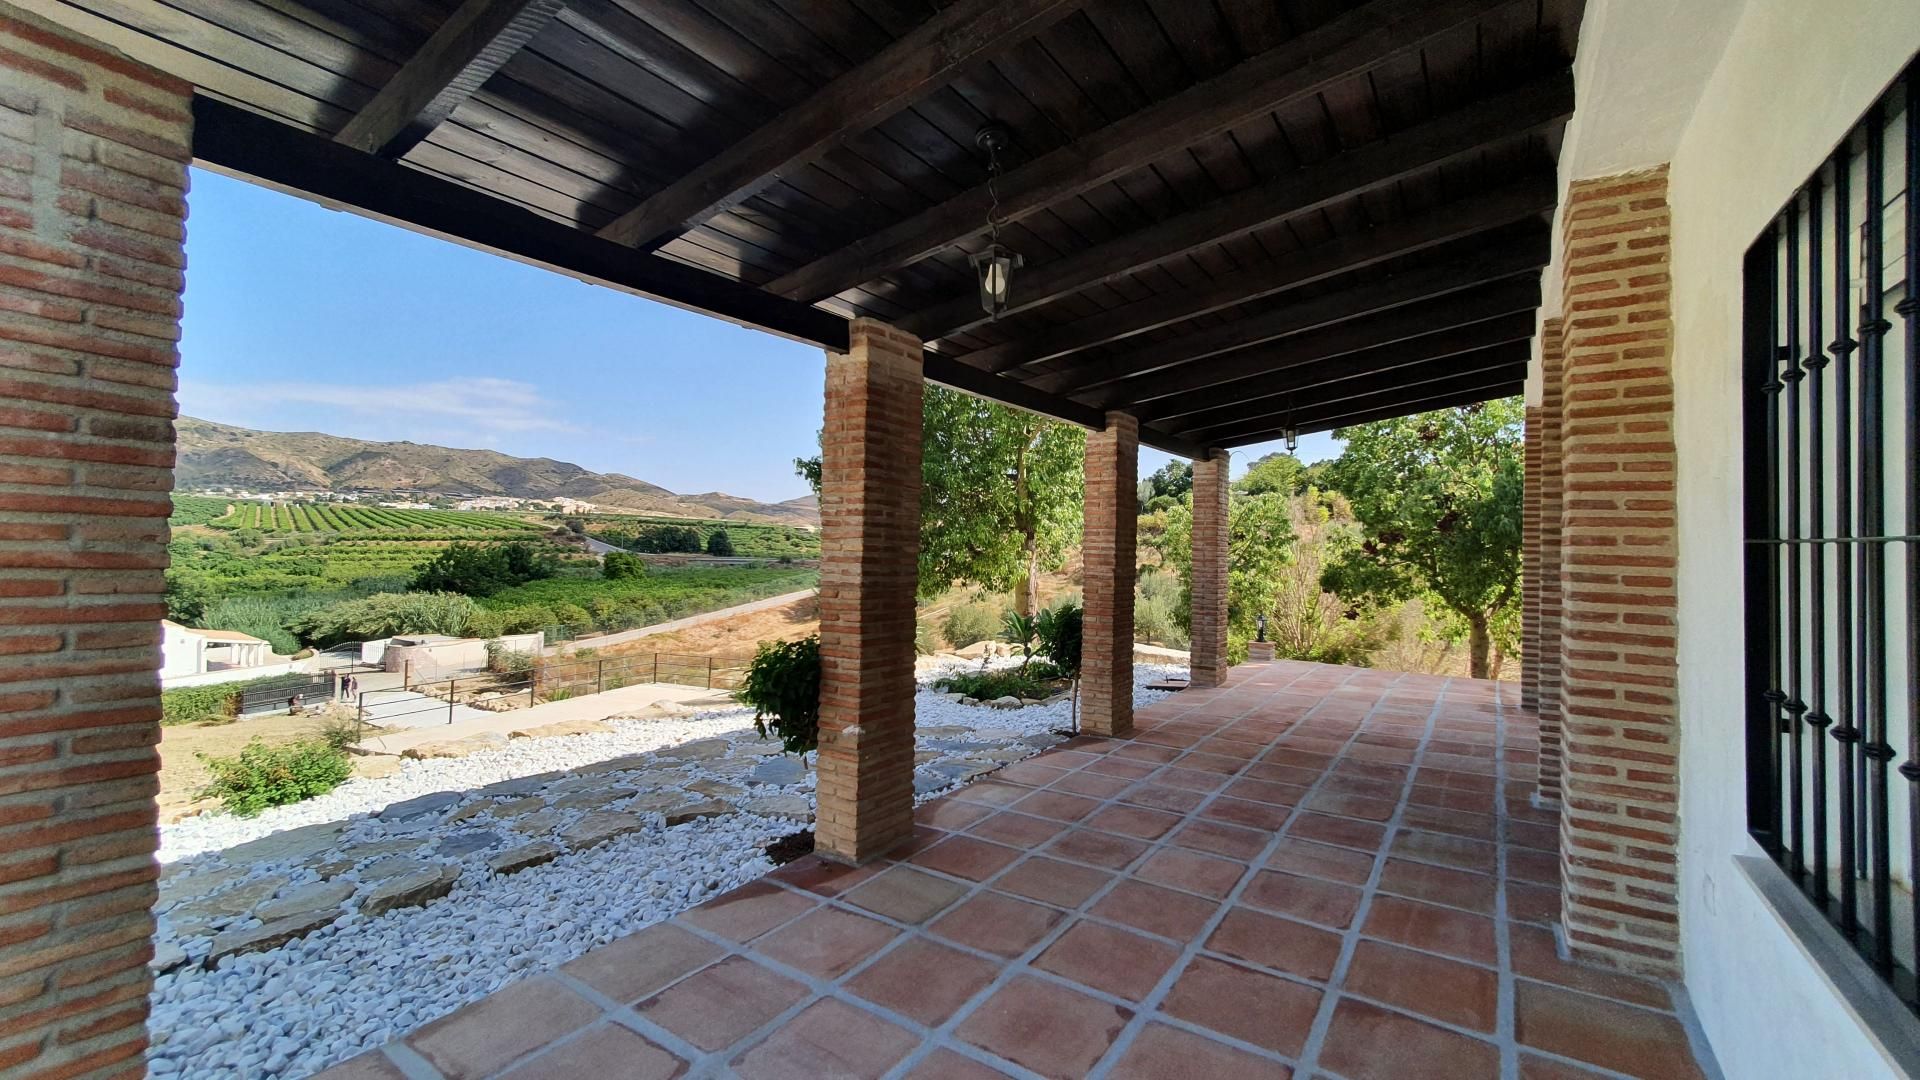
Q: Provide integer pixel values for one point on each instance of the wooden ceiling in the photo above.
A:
(1237, 216)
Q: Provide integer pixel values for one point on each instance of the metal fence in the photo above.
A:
(552, 681)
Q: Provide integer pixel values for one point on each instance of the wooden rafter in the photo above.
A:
(1349, 45)
(462, 54)
(1416, 400)
(1465, 131)
(922, 61)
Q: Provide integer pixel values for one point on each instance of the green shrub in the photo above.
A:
(620, 564)
(1036, 680)
(260, 776)
(783, 686)
(1058, 629)
(384, 615)
(719, 543)
(191, 704)
(505, 661)
(974, 621)
(1019, 630)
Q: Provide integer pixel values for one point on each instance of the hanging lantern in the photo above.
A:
(993, 268)
(1292, 435)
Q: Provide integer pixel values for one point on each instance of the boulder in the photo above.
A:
(410, 889)
(1007, 702)
(514, 860)
(315, 899)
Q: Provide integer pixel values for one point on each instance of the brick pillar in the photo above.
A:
(1209, 622)
(93, 154)
(869, 569)
(1530, 566)
(1112, 507)
(1552, 500)
(1620, 790)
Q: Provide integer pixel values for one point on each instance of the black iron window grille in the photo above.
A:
(1831, 391)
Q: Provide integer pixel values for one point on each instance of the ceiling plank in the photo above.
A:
(1508, 360)
(925, 59)
(456, 61)
(1515, 296)
(1349, 45)
(1525, 255)
(1439, 225)
(1538, 104)
(949, 372)
(239, 142)
(1507, 329)
(1420, 400)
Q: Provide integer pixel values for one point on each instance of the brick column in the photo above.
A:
(93, 153)
(869, 569)
(1530, 566)
(1620, 791)
(1209, 622)
(1108, 547)
(1552, 501)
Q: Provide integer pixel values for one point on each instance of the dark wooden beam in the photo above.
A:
(1418, 401)
(1507, 329)
(1349, 45)
(925, 59)
(1439, 225)
(239, 142)
(1522, 255)
(462, 54)
(949, 372)
(1318, 349)
(1379, 164)
(1507, 361)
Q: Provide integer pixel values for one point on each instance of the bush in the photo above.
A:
(261, 776)
(1059, 631)
(504, 661)
(1036, 680)
(926, 640)
(719, 543)
(616, 565)
(191, 704)
(383, 615)
(974, 621)
(783, 686)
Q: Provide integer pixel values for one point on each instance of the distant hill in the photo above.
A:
(221, 455)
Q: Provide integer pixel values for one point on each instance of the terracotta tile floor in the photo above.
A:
(1312, 872)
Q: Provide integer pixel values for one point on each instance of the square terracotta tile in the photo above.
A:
(1458, 852)
(1057, 805)
(1266, 791)
(1252, 1006)
(1160, 1052)
(1212, 763)
(1051, 881)
(1135, 821)
(1017, 830)
(991, 793)
(1282, 774)
(607, 1050)
(1030, 773)
(1142, 752)
(906, 895)
(1273, 942)
(1049, 1029)
(749, 911)
(1126, 770)
(1309, 859)
(1341, 832)
(1435, 929)
(817, 875)
(715, 1008)
(1624, 1038)
(1163, 797)
(1092, 785)
(1230, 840)
(1190, 871)
(828, 1038)
(1310, 899)
(1191, 779)
(1440, 885)
(951, 814)
(944, 1064)
(1253, 815)
(1366, 1042)
(1455, 822)
(1537, 956)
(372, 1065)
(826, 943)
(1534, 867)
(1098, 848)
(1108, 959)
(488, 1034)
(1417, 982)
(966, 857)
(997, 924)
(1155, 910)
(923, 980)
(1533, 903)
(640, 964)
(1535, 1067)
(1353, 806)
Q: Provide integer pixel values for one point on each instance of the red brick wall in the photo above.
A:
(1209, 624)
(1109, 551)
(869, 570)
(1530, 566)
(1552, 505)
(93, 153)
(1618, 830)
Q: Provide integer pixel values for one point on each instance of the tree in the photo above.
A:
(1171, 480)
(482, 570)
(1274, 474)
(1437, 497)
(384, 615)
(1260, 544)
(615, 565)
(719, 543)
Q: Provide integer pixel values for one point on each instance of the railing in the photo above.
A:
(1832, 438)
(555, 680)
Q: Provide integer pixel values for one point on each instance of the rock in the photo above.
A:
(290, 844)
(559, 728)
(321, 896)
(1025, 701)
(924, 782)
(166, 957)
(595, 798)
(392, 868)
(716, 789)
(465, 843)
(943, 731)
(352, 856)
(921, 757)
(697, 750)
(620, 764)
(1042, 740)
(420, 806)
(958, 744)
(790, 807)
(471, 810)
(514, 860)
(962, 770)
(781, 771)
(596, 829)
(410, 889)
(1007, 702)
(268, 935)
(455, 748)
(682, 814)
(178, 887)
(231, 904)
(375, 766)
(525, 785)
(655, 802)
(538, 824)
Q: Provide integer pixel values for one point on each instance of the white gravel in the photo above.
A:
(361, 981)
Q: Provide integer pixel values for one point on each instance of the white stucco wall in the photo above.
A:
(1792, 78)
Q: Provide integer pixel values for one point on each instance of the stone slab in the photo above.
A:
(466, 843)
(780, 771)
(694, 811)
(596, 829)
(288, 844)
(514, 860)
(409, 890)
(314, 899)
(267, 935)
(420, 806)
(230, 904)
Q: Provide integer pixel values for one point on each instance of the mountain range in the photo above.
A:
(221, 455)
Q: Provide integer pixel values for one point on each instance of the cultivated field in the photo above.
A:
(295, 518)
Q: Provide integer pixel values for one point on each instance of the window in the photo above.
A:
(1832, 506)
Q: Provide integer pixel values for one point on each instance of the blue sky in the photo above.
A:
(300, 318)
